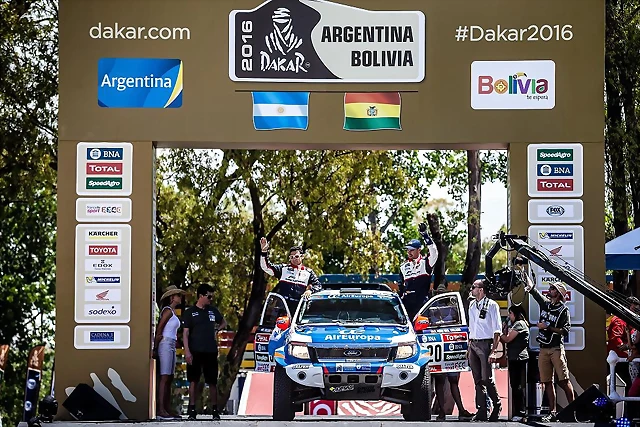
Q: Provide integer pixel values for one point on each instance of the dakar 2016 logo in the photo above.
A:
(282, 44)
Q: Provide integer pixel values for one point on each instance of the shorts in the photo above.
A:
(203, 363)
(553, 359)
(167, 356)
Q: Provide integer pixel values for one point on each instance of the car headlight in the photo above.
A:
(406, 350)
(299, 350)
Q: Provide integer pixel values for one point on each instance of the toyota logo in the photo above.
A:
(352, 353)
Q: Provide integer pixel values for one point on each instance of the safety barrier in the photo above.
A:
(612, 360)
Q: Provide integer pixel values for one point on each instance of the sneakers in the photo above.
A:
(549, 418)
(215, 416)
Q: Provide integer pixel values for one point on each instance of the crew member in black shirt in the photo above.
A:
(201, 325)
(553, 326)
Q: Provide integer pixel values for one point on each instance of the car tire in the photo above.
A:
(420, 407)
(283, 408)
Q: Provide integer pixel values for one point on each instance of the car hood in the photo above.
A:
(341, 334)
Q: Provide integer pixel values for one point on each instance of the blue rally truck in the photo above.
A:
(359, 344)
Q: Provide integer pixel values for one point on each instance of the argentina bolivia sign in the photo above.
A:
(325, 42)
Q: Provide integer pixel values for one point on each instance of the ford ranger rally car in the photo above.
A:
(354, 344)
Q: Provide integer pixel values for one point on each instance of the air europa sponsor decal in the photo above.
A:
(114, 168)
(97, 250)
(351, 337)
(105, 153)
(557, 184)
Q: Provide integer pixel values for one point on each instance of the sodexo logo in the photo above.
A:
(140, 83)
(97, 310)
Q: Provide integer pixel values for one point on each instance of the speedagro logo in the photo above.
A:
(104, 183)
(557, 155)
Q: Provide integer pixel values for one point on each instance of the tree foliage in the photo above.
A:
(28, 132)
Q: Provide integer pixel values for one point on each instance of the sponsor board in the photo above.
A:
(103, 210)
(104, 169)
(562, 243)
(103, 273)
(101, 294)
(554, 170)
(575, 341)
(513, 85)
(325, 42)
(555, 211)
(101, 337)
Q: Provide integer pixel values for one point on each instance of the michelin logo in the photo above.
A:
(555, 235)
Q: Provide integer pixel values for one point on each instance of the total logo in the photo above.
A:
(105, 154)
(105, 250)
(104, 168)
(102, 310)
(551, 184)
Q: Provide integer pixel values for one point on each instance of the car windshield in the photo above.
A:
(352, 310)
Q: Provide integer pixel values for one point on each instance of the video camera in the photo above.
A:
(500, 283)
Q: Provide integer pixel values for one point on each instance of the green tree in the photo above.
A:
(28, 91)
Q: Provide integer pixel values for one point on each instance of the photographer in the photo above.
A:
(553, 326)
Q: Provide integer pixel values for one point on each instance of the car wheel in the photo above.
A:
(420, 407)
(283, 409)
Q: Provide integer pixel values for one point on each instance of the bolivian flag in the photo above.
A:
(372, 111)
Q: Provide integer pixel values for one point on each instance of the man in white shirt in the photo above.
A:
(485, 328)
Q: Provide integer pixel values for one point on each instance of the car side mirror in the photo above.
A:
(283, 323)
(421, 323)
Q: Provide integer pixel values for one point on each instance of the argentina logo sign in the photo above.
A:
(325, 42)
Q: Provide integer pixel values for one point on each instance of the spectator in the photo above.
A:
(554, 324)
(516, 335)
(201, 325)
(618, 340)
(484, 335)
(165, 350)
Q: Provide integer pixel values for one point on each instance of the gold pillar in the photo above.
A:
(105, 260)
(554, 215)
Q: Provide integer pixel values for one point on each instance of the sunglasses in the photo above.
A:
(295, 256)
(210, 296)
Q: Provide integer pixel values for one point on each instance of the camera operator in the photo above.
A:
(485, 328)
(554, 324)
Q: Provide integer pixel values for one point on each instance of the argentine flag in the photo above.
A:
(280, 110)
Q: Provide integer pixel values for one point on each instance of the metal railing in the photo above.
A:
(612, 360)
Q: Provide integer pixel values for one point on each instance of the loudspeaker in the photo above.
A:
(591, 406)
(85, 404)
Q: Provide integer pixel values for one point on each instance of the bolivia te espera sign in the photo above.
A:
(321, 41)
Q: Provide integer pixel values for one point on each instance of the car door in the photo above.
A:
(274, 307)
(447, 334)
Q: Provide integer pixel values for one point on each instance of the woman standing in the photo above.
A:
(516, 336)
(165, 349)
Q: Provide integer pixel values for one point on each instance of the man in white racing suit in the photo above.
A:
(295, 280)
(415, 273)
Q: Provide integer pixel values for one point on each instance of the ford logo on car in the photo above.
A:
(555, 210)
(352, 353)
